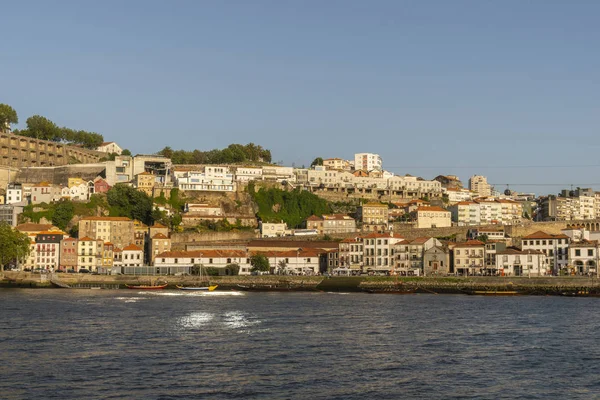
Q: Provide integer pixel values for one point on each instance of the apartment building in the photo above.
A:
(368, 162)
(490, 211)
(211, 179)
(132, 256)
(89, 253)
(337, 164)
(145, 182)
(456, 195)
(45, 193)
(554, 247)
(480, 185)
(466, 213)
(409, 255)
(158, 244)
(48, 249)
(379, 251)
(433, 217)
(515, 262)
(14, 193)
(584, 257)
(246, 174)
(331, 224)
(116, 230)
(351, 253)
(374, 217)
(68, 254)
(469, 257)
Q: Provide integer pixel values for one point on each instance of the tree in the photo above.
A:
(232, 269)
(63, 213)
(14, 245)
(260, 263)
(317, 161)
(126, 152)
(281, 267)
(125, 201)
(8, 116)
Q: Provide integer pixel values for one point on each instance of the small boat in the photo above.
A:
(205, 288)
(147, 287)
(495, 293)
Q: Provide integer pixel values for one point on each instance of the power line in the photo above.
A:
(490, 166)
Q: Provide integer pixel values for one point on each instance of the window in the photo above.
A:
(590, 252)
(577, 253)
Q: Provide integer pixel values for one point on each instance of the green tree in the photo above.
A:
(317, 161)
(232, 269)
(126, 152)
(125, 201)
(260, 262)
(63, 213)
(8, 116)
(14, 245)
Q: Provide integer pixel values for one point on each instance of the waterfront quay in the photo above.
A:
(583, 286)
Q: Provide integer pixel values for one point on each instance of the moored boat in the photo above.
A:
(147, 287)
(204, 288)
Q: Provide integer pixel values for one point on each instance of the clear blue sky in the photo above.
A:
(468, 87)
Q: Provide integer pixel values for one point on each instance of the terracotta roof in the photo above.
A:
(52, 233)
(376, 235)
(375, 205)
(513, 250)
(69, 240)
(157, 225)
(159, 236)
(466, 203)
(432, 208)
(105, 144)
(314, 218)
(87, 239)
(105, 219)
(585, 243)
(31, 227)
(132, 247)
(292, 244)
(470, 243)
(544, 235)
(420, 240)
(337, 217)
(117, 250)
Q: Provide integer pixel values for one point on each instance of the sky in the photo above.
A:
(507, 89)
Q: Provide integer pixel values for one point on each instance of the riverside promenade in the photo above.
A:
(585, 286)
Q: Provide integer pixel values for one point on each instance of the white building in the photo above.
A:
(133, 256)
(466, 213)
(379, 251)
(433, 217)
(278, 229)
(246, 174)
(480, 185)
(89, 253)
(458, 195)
(490, 211)
(212, 179)
(554, 247)
(14, 193)
(368, 162)
(583, 257)
(515, 262)
(110, 147)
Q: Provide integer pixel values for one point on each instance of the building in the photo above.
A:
(436, 261)
(116, 230)
(479, 185)
(583, 257)
(101, 186)
(351, 253)
(145, 182)
(9, 213)
(44, 192)
(490, 211)
(367, 162)
(133, 256)
(554, 247)
(48, 249)
(515, 262)
(212, 179)
(466, 213)
(374, 217)
(379, 252)
(30, 263)
(449, 181)
(433, 217)
(68, 254)
(110, 147)
(492, 247)
(108, 256)
(458, 195)
(14, 193)
(336, 164)
(89, 253)
(269, 229)
(331, 224)
(247, 174)
(469, 257)
(158, 244)
(409, 255)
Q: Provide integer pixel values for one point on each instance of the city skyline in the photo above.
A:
(504, 90)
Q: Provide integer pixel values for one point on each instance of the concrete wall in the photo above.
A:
(20, 151)
(60, 175)
(191, 237)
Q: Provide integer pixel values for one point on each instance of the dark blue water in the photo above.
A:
(87, 344)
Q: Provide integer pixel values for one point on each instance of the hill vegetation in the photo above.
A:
(291, 207)
(234, 153)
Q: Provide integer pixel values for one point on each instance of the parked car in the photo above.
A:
(70, 271)
(84, 271)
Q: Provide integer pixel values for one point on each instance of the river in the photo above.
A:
(124, 344)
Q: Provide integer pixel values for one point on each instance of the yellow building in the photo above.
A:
(145, 182)
(75, 182)
(374, 216)
(116, 230)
